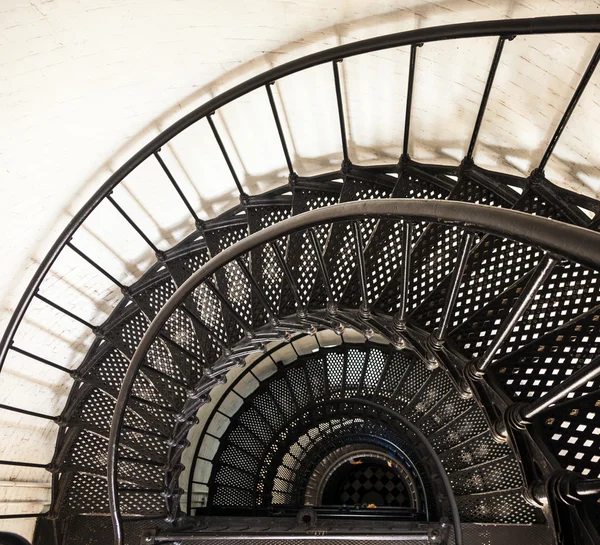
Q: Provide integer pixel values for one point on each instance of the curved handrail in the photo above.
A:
(502, 28)
(564, 240)
(509, 27)
(219, 403)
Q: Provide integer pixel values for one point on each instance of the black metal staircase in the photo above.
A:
(464, 303)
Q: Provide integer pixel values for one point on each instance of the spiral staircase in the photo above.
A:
(400, 352)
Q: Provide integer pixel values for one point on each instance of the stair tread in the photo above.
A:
(434, 254)
(300, 257)
(382, 251)
(569, 291)
(530, 371)
(340, 252)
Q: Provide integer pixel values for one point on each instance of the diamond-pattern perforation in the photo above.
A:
(492, 267)
(502, 474)
(231, 282)
(340, 254)
(181, 268)
(529, 373)
(434, 255)
(570, 291)
(556, 337)
(478, 450)
(263, 263)
(503, 507)
(300, 257)
(572, 433)
(126, 336)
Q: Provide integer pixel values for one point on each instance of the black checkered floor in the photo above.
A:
(369, 484)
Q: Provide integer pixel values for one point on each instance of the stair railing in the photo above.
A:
(556, 239)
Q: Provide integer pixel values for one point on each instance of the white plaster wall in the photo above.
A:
(84, 84)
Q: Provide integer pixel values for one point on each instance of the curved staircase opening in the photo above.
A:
(399, 351)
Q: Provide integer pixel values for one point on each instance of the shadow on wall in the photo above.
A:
(382, 151)
(401, 19)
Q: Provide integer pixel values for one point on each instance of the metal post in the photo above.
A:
(279, 129)
(340, 105)
(540, 275)
(409, 94)
(40, 359)
(29, 413)
(177, 188)
(486, 95)
(362, 269)
(562, 390)
(400, 316)
(439, 335)
(225, 155)
(22, 464)
(96, 266)
(322, 267)
(133, 224)
(65, 311)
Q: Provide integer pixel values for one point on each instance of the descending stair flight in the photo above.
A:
(264, 378)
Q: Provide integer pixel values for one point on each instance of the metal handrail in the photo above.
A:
(230, 388)
(564, 240)
(511, 27)
(504, 29)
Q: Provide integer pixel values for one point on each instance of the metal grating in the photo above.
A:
(507, 507)
(263, 263)
(530, 372)
(230, 280)
(434, 255)
(340, 254)
(572, 434)
(493, 266)
(570, 291)
(300, 256)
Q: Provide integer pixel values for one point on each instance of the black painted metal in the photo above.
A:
(322, 268)
(135, 226)
(555, 238)
(286, 152)
(439, 335)
(96, 266)
(409, 94)
(176, 186)
(41, 360)
(542, 25)
(360, 250)
(562, 390)
(225, 154)
(486, 95)
(340, 105)
(400, 316)
(525, 299)
(480, 218)
(64, 311)
(457, 527)
(590, 487)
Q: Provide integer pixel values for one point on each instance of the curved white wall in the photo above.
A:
(83, 85)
